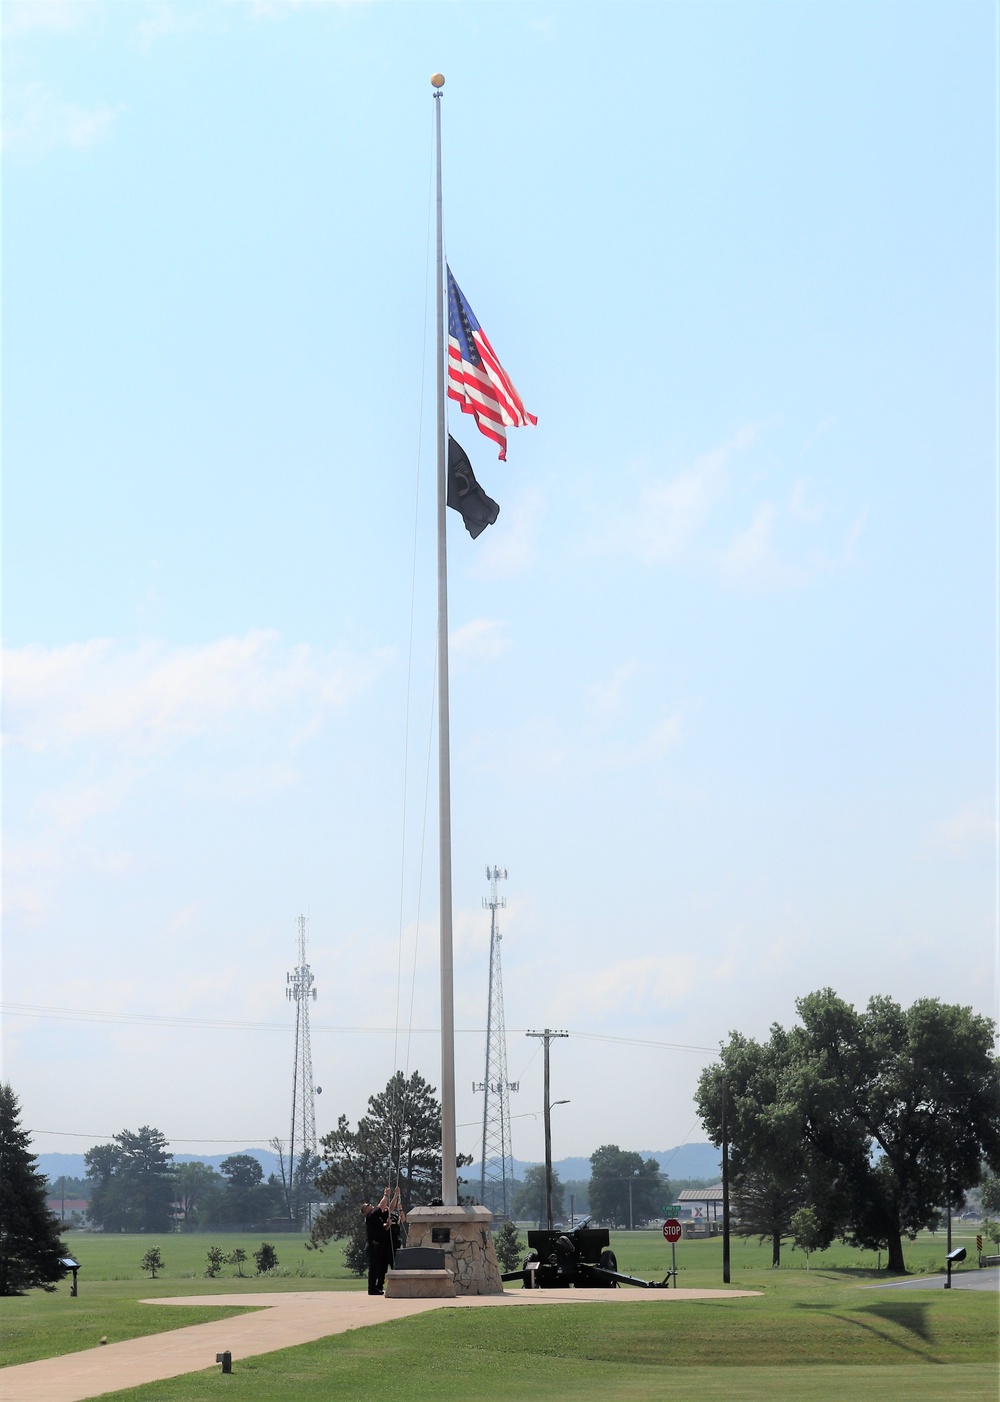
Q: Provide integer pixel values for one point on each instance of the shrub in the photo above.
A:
(236, 1258)
(216, 1259)
(509, 1249)
(266, 1258)
(152, 1261)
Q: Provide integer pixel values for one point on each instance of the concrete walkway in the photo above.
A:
(963, 1279)
(278, 1321)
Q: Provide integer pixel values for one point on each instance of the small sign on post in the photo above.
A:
(672, 1233)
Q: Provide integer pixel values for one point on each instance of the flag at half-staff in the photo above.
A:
(465, 495)
(476, 379)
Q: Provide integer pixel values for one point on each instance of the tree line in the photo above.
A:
(135, 1186)
(876, 1122)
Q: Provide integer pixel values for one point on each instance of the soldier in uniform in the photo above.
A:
(377, 1232)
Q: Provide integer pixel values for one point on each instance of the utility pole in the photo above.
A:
(547, 1036)
(725, 1183)
(496, 1169)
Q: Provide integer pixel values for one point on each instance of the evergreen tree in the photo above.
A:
(30, 1248)
(397, 1141)
(764, 1208)
(266, 1258)
(509, 1247)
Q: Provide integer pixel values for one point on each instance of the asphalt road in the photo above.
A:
(974, 1279)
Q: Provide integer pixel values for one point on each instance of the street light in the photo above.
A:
(635, 1175)
(548, 1159)
(546, 1037)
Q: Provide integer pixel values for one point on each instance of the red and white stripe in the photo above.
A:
(486, 392)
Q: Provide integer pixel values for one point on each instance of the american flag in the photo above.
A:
(476, 379)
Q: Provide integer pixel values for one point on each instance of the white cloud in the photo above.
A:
(606, 700)
(37, 121)
(148, 696)
(964, 833)
(53, 16)
(651, 984)
(752, 555)
(853, 536)
(510, 547)
(164, 20)
(278, 9)
(651, 747)
(800, 508)
(481, 640)
(672, 512)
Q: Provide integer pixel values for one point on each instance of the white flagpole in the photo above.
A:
(449, 1183)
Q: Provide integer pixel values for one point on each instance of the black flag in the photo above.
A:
(465, 495)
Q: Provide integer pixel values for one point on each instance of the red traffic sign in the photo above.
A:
(672, 1230)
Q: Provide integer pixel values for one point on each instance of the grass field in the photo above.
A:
(812, 1334)
(841, 1343)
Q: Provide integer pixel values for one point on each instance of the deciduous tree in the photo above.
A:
(807, 1231)
(991, 1193)
(152, 1261)
(624, 1187)
(529, 1199)
(133, 1182)
(198, 1188)
(887, 1113)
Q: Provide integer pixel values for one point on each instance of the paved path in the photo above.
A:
(986, 1279)
(278, 1321)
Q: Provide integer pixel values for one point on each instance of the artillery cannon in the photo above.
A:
(582, 1258)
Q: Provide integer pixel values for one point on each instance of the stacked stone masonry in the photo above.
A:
(469, 1248)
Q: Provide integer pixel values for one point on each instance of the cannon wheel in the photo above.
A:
(609, 1262)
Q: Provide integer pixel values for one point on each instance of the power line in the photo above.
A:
(171, 1139)
(232, 1025)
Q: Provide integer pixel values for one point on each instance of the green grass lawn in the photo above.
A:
(112, 1285)
(699, 1263)
(842, 1343)
(809, 1335)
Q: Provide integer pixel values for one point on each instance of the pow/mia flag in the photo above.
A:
(465, 495)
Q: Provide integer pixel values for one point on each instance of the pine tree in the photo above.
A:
(30, 1248)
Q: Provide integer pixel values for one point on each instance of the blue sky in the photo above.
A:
(723, 672)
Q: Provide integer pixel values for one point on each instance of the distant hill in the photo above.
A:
(684, 1161)
(73, 1166)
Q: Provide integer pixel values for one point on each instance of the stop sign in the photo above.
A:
(672, 1230)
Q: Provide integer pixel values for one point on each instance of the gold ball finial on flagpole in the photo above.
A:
(437, 80)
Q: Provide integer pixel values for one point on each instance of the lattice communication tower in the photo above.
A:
(496, 1183)
(299, 990)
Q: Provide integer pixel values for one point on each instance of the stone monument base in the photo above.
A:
(419, 1285)
(463, 1234)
